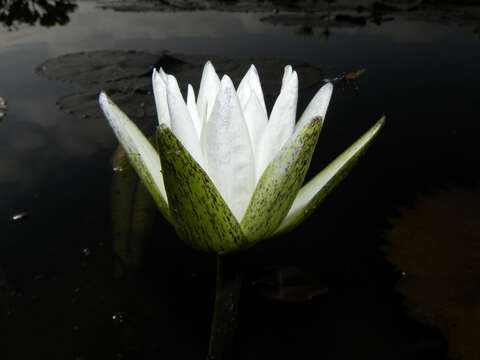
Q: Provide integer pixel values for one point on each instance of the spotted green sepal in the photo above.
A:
(201, 217)
(280, 183)
(325, 181)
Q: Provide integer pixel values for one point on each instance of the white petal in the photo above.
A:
(182, 124)
(251, 83)
(318, 105)
(244, 91)
(160, 94)
(192, 108)
(286, 75)
(207, 93)
(256, 120)
(228, 150)
(134, 142)
(163, 75)
(280, 125)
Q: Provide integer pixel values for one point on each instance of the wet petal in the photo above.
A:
(160, 94)
(280, 125)
(140, 152)
(228, 150)
(207, 93)
(182, 124)
(201, 217)
(320, 186)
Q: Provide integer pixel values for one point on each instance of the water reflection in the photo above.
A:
(323, 15)
(4, 297)
(436, 244)
(41, 12)
(67, 160)
(133, 212)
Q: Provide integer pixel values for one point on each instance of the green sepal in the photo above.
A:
(123, 167)
(280, 183)
(312, 194)
(201, 217)
(140, 152)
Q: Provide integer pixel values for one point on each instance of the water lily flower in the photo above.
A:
(223, 172)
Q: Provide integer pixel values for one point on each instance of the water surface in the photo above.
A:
(65, 296)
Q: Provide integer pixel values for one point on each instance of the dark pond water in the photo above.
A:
(65, 289)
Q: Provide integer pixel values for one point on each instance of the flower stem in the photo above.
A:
(224, 322)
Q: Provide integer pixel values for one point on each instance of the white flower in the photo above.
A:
(257, 163)
(228, 131)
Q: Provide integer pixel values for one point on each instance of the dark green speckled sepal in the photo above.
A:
(201, 217)
(279, 184)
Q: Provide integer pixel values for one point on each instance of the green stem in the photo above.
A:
(219, 283)
(218, 289)
(224, 322)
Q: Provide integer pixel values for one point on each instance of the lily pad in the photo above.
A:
(126, 77)
(348, 14)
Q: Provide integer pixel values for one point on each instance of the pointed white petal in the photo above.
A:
(280, 125)
(136, 145)
(160, 94)
(286, 75)
(163, 75)
(192, 108)
(251, 83)
(318, 105)
(243, 90)
(256, 87)
(182, 124)
(207, 93)
(228, 150)
(256, 120)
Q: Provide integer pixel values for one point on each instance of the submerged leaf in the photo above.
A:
(201, 216)
(320, 186)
